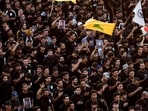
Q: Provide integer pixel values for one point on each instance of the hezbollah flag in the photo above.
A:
(73, 1)
(100, 26)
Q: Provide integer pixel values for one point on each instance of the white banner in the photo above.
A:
(138, 17)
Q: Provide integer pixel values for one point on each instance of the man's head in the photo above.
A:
(65, 99)
(8, 105)
(93, 95)
(116, 96)
(46, 92)
(78, 90)
(115, 105)
(59, 83)
(99, 87)
(71, 106)
(114, 72)
(94, 106)
(65, 76)
(120, 87)
(141, 66)
(74, 80)
(123, 95)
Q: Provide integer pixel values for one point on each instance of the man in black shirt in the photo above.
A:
(58, 94)
(112, 82)
(70, 42)
(64, 106)
(78, 99)
(133, 89)
(71, 88)
(44, 99)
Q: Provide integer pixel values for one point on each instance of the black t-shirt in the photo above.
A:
(83, 65)
(121, 105)
(88, 104)
(94, 79)
(62, 68)
(102, 102)
(69, 46)
(123, 76)
(130, 88)
(112, 82)
(59, 100)
(16, 75)
(63, 107)
(26, 99)
(70, 90)
(50, 61)
(105, 69)
(5, 91)
(69, 60)
(143, 76)
(126, 82)
(44, 103)
(40, 57)
(137, 56)
(76, 98)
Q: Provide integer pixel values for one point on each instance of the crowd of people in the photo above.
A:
(50, 62)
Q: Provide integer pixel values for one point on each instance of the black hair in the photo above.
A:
(65, 95)
(99, 86)
(116, 94)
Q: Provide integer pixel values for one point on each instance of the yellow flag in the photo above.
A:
(100, 26)
(74, 1)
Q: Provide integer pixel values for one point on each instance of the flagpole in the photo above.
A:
(136, 18)
(128, 18)
(51, 7)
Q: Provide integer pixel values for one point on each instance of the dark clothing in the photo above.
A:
(5, 91)
(83, 65)
(70, 90)
(26, 100)
(102, 103)
(45, 103)
(27, 50)
(21, 34)
(126, 82)
(121, 105)
(130, 88)
(63, 107)
(143, 76)
(94, 79)
(27, 69)
(50, 61)
(70, 59)
(1, 63)
(88, 104)
(112, 82)
(15, 104)
(62, 68)
(16, 75)
(40, 57)
(59, 100)
(65, 84)
(69, 47)
(123, 76)
(76, 99)
(106, 69)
